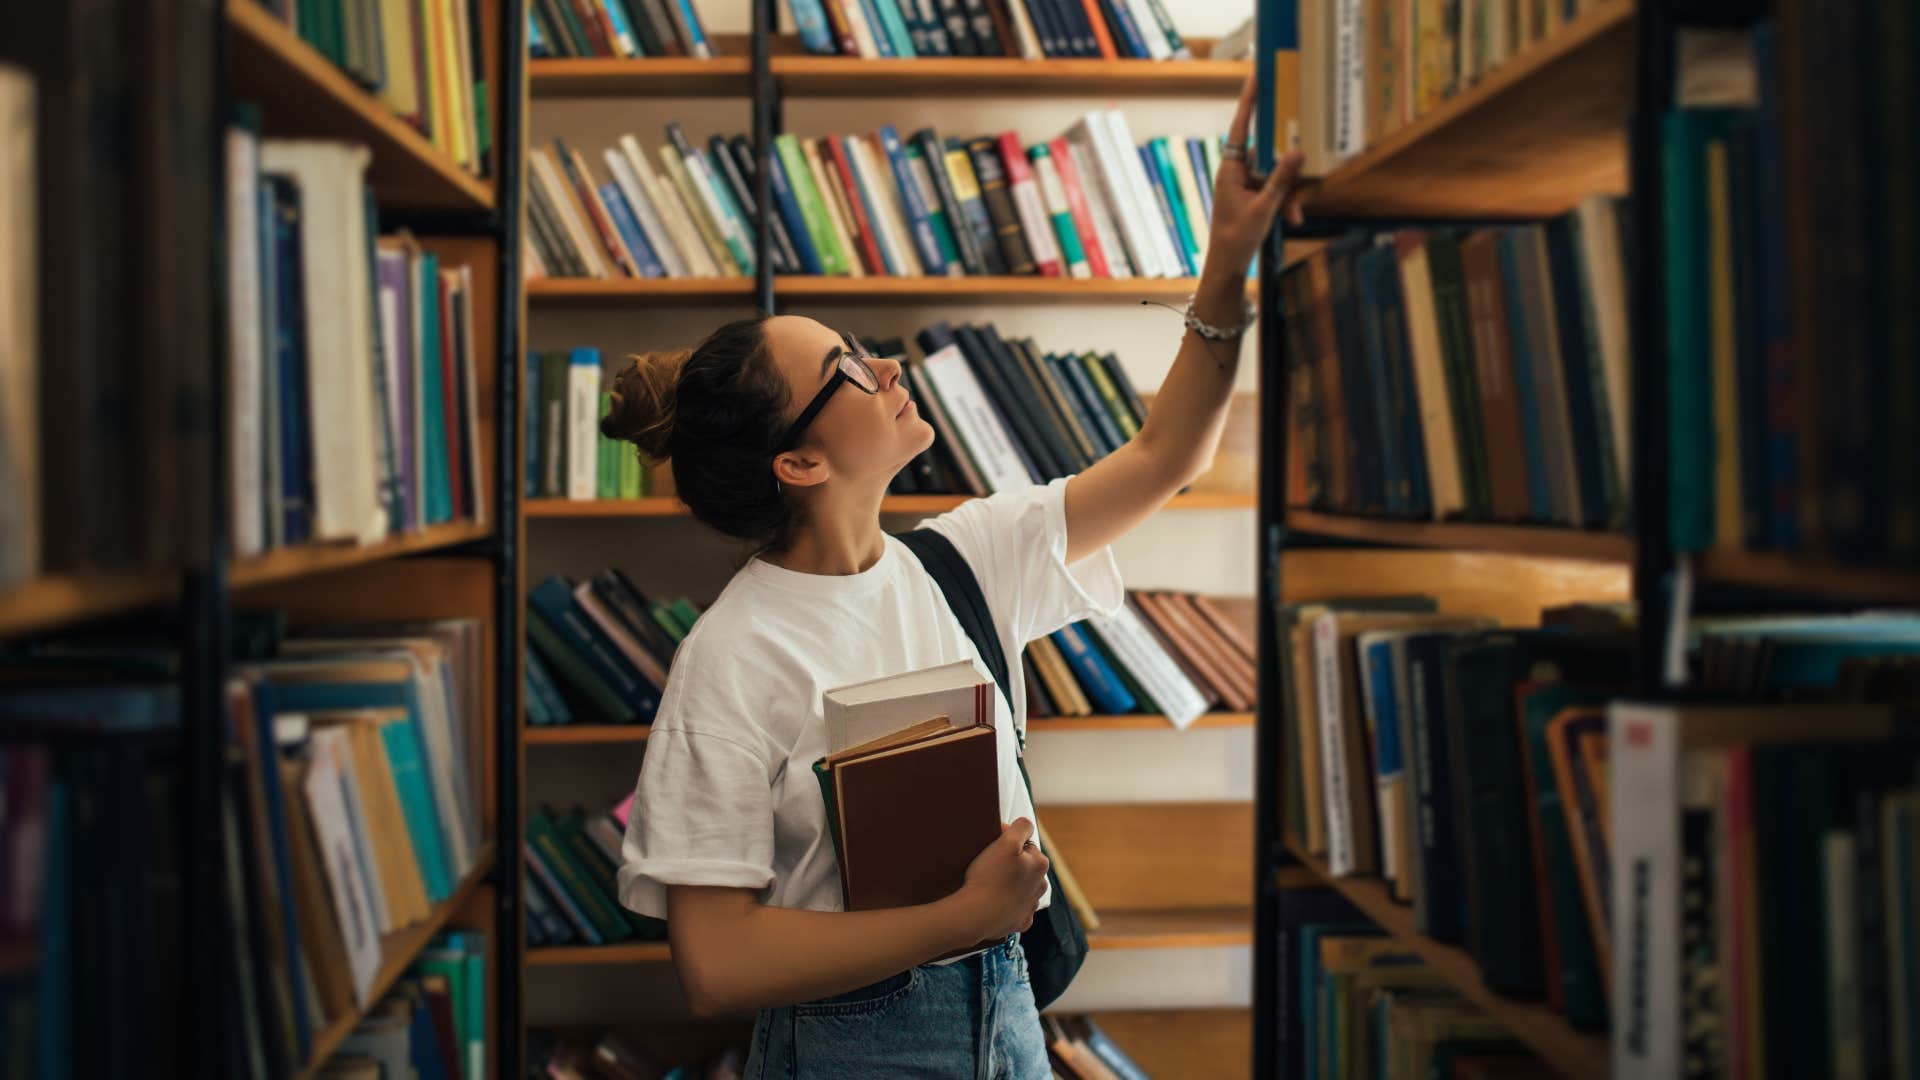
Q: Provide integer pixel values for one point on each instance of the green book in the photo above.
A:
(1586, 994)
(573, 670)
(685, 613)
(813, 208)
(627, 463)
(666, 621)
(606, 475)
(553, 423)
(580, 884)
(604, 875)
(1110, 395)
(1184, 216)
(936, 211)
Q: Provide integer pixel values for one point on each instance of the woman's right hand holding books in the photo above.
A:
(1004, 883)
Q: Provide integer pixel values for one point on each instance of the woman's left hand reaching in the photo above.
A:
(1244, 203)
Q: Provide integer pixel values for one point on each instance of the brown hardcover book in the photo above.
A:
(1493, 368)
(1198, 669)
(1053, 668)
(1307, 707)
(912, 816)
(320, 939)
(1236, 618)
(1236, 667)
(984, 152)
(1194, 650)
(1340, 486)
(1039, 700)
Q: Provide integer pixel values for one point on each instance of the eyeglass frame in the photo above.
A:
(851, 356)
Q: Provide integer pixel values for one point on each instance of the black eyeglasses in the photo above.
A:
(850, 367)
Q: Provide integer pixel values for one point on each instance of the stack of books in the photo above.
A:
(611, 1056)
(1079, 1050)
(1175, 654)
(1093, 202)
(1031, 29)
(600, 650)
(573, 863)
(1476, 374)
(567, 457)
(432, 1023)
(1370, 67)
(1794, 406)
(354, 408)
(617, 29)
(425, 59)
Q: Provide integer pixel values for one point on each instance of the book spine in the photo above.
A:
(1090, 668)
(1333, 761)
(834, 200)
(629, 228)
(727, 220)
(896, 28)
(923, 236)
(1175, 694)
(1643, 756)
(571, 666)
(740, 165)
(694, 208)
(987, 167)
(646, 215)
(939, 170)
(895, 244)
(921, 176)
(1073, 256)
(812, 208)
(859, 205)
(1081, 212)
(810, 19)
(1150, 169)
(973, 414)
(674, 218)
(583, 390)
(788, 205)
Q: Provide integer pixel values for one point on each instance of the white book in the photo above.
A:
(979, 426)
(672, 213)
(400, 388)
(892, 227)
(560, 195)
(733, 231)
(862, 30)
(704, 226)
(1091, 134)
(644, 213)
(1147, 661)
(339, 329)
(1104, 225)
(1128, 150)
(1158, 47)
(583, 423)
(861, 712)
(1027, 206)
(1055, 195)
(1444, 485)
(1349, 80)
(470, 349)
(246, 343)
(1146, 234)
(1333, 761)
(333, 799)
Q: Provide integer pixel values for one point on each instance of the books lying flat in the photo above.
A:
(864, 712)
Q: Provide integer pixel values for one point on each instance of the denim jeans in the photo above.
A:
(972, 1019)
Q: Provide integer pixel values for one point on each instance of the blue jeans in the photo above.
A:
(972, 1019)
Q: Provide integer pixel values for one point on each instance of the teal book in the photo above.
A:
(1583, 991)
(921, 170)
(1184, 216)
(685, 614)
(575, 879)
(404, 757)
(433, 394)
(812, 204)
(568, 666)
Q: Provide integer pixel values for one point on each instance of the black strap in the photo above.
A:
(962, 590)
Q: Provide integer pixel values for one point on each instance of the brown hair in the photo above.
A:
(716, 412)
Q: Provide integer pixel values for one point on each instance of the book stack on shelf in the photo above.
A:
(608, 1055)
(425, 60)
(1168, 654)
(1080, 1049)
(600, 650)
(355, 401)
(433, 1022)
(617, 29)
(567, 456)
(1030, 29)
(1093, 203)
(572, 862)
(1456, 374)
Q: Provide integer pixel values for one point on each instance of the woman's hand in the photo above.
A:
(1004, 883)
(1244, 204)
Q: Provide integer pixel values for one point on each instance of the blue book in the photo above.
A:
(555, 705)
(1197, 153)
(699, 46)
(629, 229)
(1152, 169)
(1317, 1041)
(896, 27)
(542, 913)
(924, 240)
(553, 598)
(789, 208)
(423, 1044)
(622, 29)
(290, 362)
(1389, 761)
(1111, 1055)
(1090, 668)
(882, 40)
(532, 410)
(1579, 357)
(810, 19)
(1126, 33)
(1539, 499)
(536, 708)
(937, 220)
(569, 908)
(433, 394)
(1279, 34)
(536, 41)
(1096, 406)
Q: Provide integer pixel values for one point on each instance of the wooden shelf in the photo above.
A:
(630, 952)
(1547, 1033)
(302, 93)
(56, 600)
(1810, 576)
(1535, 136)
(599, 734)
(626, 292)
(729, 74)
(575, 292)
(668, 506)
(1543, 541)
(397, 952)
(284, 564)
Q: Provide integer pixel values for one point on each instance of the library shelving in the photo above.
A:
(1469, 536)
(557, 292)
(591, 734)
(668, 506)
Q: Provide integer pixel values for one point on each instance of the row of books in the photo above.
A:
(1093, 202)
(1794, 420)
(612, 1056)
(567, 456)
(431, 1025)
(1079, 1049)
(600, 650)
(425, 60)
(1128, 664)
(1464, 373)
(354, 408)
(573, 861)
(1370, 67)
(1356, 1004)
(617, 29)
(1032, 29)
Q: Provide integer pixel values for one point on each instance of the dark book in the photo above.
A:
(553, 599)
(1030, 398)
(1054, 400)
(1440, 908)
(974, 215)
(1500, 407)
(940, 335)
(1053, 41)
(1039, 702)
(651, 41)
(1110, 363)
(1329, 383)
(1580, 362)
(1369, 488)
(1127, 39)
(1105, 428)
(1071, 15)
(986, 34)
(1006, 397)
(1450, 309)
(1391, 473)
(965, 239)
(953, 15)
(632, 608)
(1301, 909)
(992, 174)
(735, 165)
(1512, 250)
(958, 474)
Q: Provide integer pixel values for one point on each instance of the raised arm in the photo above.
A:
(1182, 430)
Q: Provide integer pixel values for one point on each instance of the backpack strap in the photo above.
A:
(962, 590)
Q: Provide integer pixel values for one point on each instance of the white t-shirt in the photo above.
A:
(726, 792)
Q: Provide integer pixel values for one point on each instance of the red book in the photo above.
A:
(842, 29)
(1028, 205)
(863, 225)
(590, 22)
(1100, 35)
(450, 395)
(574, 168)
(1077, 207)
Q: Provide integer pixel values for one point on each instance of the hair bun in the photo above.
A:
(643, 401)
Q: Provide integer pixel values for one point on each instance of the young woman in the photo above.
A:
(784, 432)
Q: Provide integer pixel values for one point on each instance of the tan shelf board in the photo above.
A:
(1172, 928)
(729, 74)
(1543, 541)
(397, 952)
(558, 292)
(55, 600)
(1570, 1051)
(631, 952)
(302, 93)
(284, 564)
(668, 506)
(1134, 722)
(1536, 135)
(581, 292)
(584, 734)
(1804, 574)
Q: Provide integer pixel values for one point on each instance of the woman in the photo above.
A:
(781, 431)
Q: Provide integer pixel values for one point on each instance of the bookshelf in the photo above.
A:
(1547, 542)
(863, 290)
(668, 506)
(600, 734)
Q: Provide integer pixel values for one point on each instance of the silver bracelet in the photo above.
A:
(1222, 333)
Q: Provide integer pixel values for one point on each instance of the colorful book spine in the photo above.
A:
(1096, 677)
(1072, 255)
(924, 239)
(1027, 203)
(810, 203)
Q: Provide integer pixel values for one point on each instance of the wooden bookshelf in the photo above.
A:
(580, 292)
(631, 952)
(55, 600)
(301, 92)
(602, 734)
(729, 74)
(1543, 541)
(668, 506)
(1569, 1051)
(626, 292)
(287, 564)
(397, 952)
(1536, 135)
(1801, 574)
